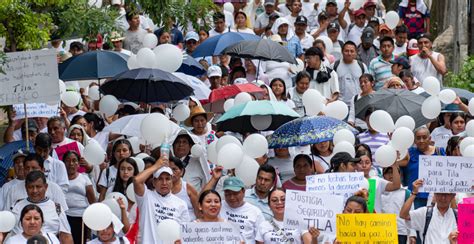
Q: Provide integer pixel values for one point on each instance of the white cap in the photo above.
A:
(162, 170)
(214, 70)
(240, 81)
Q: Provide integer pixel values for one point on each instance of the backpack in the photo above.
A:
(361, 65)
(429, 215)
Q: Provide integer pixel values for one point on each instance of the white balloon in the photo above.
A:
(392, 19)
(132, 62)
(465, 143)
(337, 109)
(298, 67)
(131, 193)
(8, 221)
(140, 163)
(181, 112)
(242, 98)
(155, 128)
(255, 145)
(431, 107)
(108, 105)
(93, 153)
(431, 85)
(150, 40)
(313, 102)
(402, 138)
(71, 98)
(212, 152)
(470, 128)
(168, 230)
(134, 141)
(117, 195)
(344, 146)
(146, 58)
(247, 170)
(224, 140)
(229, 7)
(94, 93)
(62, 88)
(357, 4)
(142, 155)
(343, 135)
(230, 156)
(197, 151)
(469, 151)
(471, 106)
(327, 42)
(385, 156)
(381, 121)
(168, 57)
(114, 207)
(97, 216)
(261, 122)
(228, 104)
(447, 96)
(405, 121)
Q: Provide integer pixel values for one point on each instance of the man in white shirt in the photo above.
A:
(236, 210)
(295, 12)
(219, 25)
(54, 169)
(306, 40)
(263, 20)
(354, 31)
(159, 204)
(443, 221)
(18, 160)
(134, 35)
(427, 62)
(401, 40)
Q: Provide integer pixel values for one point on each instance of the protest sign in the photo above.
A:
(466, 223)
(446, 174)
(36, 110)
(309, 209)
(344, 184)
(31, 77)
(210, 232)
(367, 228)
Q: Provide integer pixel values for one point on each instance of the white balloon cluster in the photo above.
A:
(431, 107)
(166, 57)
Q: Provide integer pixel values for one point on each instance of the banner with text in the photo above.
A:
(466, 223)
(344, 184)
(367, 228)
(446, 174)
(36, 110)
(310, 209)
(210, 232)
(30, 77)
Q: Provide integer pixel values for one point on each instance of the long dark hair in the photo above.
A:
(120, 185)
(283, 95)
(453, 142)
(113, 161)
(99, 123)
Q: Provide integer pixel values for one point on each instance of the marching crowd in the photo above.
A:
(348, 54)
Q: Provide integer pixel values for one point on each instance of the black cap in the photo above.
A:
(301, 20)
(343, 157)
(424, 35)
(374, 19)
(331, 2)
(401, 61)
(368, 34)
(32, 126)
(333, 26)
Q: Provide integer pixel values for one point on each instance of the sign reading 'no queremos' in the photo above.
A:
(30, 77)
(210, 232)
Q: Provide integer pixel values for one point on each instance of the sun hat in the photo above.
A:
(198, 110)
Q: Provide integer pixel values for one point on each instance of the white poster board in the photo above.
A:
(210, 232)
(444, 174)
(344, 184)
(31, 77)
(309, 209)
(36, 110)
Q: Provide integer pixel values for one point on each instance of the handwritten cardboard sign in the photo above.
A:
(210, 232)
(344, 184)
(466, 223)
(446, 174)
(367, 228)
(36, 110)
(309, 209)
(31, 77)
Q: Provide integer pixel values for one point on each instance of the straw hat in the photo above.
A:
(115, 37)
(198, 110)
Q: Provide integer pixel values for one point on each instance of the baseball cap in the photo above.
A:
(32, 125)
(322, 15)
(374, 19)
(424, 35)
(359, 12)
(369, 4)
(191, 36)
(301, 20)
(269, 2)
(402, 60)
(368, 35)
(233, 184)
(412, 47)
(213, 71)
(331, 2)
(343, 157)
(384, 27)
(161, 171)
(19, 153)
(333, 26)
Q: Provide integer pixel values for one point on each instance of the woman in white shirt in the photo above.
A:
(240, 20)
(322, 153)
(296, 93)
(279, 90)
(182, 189)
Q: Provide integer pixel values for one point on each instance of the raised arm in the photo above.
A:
(140, 179)
(405, 211)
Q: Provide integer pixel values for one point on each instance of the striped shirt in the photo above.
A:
(374, 141)
(381, 69)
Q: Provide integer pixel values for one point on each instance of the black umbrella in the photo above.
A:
(263, 49)
(460, 92)
(396, 102)
(147, 85)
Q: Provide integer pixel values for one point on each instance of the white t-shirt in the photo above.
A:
(102, 138)
(422, 67)
(117, 241)
(213, 32)
(355, 33)
(76, 198)
(55, 171)
(392, 202)
(327, 88)
(154, 208)
(134, 40)
(4, 190)
(275, 233)
(348, 78)
(18, 192)
(439, 228)
(247, 216)
(54, 222)
(400, 50)
(109, 181)
(440, 136)
(20, 239)
(246, 30)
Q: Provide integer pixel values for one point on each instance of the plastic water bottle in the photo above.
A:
(165, 151)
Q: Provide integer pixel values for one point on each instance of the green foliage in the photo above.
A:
(3, 61)
(464, 78)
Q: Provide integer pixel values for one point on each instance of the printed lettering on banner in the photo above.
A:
(446, 174)
(31, 77)
(210, 232)
(367, 228)
(35, 110)
(310, 209)
(344, 184)
(466, 223)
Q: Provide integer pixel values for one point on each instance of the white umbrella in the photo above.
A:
(130, 126)
(201, 90)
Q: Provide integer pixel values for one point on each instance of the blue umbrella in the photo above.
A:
(306, 131)
(191, 67)
(93, 66)
(6, 153)
(213, 46)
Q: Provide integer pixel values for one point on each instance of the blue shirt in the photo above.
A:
(381, 69)
(294, 46)
(252, 198)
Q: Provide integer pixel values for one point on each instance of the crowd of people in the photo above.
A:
(52, 185)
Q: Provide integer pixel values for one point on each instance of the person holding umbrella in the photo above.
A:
(198, 119)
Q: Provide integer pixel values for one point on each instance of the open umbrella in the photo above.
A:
(460, 92)
(93, 66)
(262, 49)
(213, 46)
(216, 100)
(239, 117)
(306, 131)
(147, 85)
(397, 102)
(130, 126)
(191, 67)
(6, 156)
(201, 90)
